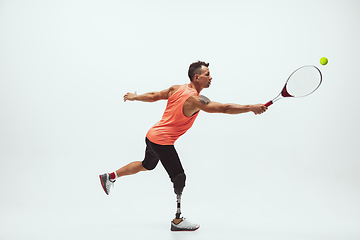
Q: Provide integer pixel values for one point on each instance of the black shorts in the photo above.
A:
(166, 154)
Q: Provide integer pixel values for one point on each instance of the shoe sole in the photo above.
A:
(175, 229)
(103, 184)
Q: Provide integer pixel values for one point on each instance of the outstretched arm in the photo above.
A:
(150, 96)
(233, 108)
(203, 103)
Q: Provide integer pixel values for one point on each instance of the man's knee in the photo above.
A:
(147, 167)
(179, 183)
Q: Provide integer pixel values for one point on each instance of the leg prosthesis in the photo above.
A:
(179, 184)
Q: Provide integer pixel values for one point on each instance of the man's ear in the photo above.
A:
(196, 77)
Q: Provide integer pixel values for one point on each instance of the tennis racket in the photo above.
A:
(302, 82)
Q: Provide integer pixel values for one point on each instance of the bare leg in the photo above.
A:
(131, 168)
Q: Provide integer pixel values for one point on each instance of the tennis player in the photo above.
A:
(184, 103)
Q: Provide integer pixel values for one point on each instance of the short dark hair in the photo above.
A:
(195, 68)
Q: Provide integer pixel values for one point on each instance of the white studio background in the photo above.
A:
(291, 173)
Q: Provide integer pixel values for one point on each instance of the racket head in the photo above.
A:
(302, 82)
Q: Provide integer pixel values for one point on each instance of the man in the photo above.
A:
(183, 106)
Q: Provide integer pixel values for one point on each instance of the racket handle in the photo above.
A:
(268, 103)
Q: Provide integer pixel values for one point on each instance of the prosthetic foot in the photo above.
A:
(183, 225)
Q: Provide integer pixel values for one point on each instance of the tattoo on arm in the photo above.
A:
(204, 100)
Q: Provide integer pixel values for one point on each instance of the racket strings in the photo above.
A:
(303, 81)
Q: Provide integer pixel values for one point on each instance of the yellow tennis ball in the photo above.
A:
(323, 61)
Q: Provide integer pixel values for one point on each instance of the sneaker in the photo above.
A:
(184, 225)
(106, 182)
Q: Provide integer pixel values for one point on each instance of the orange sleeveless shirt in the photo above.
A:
(173, 123)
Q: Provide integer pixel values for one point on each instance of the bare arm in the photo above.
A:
(233, 108)
(203, 103)
(151, 96)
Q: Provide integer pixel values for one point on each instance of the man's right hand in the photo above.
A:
(130, 96)
(258, 108)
